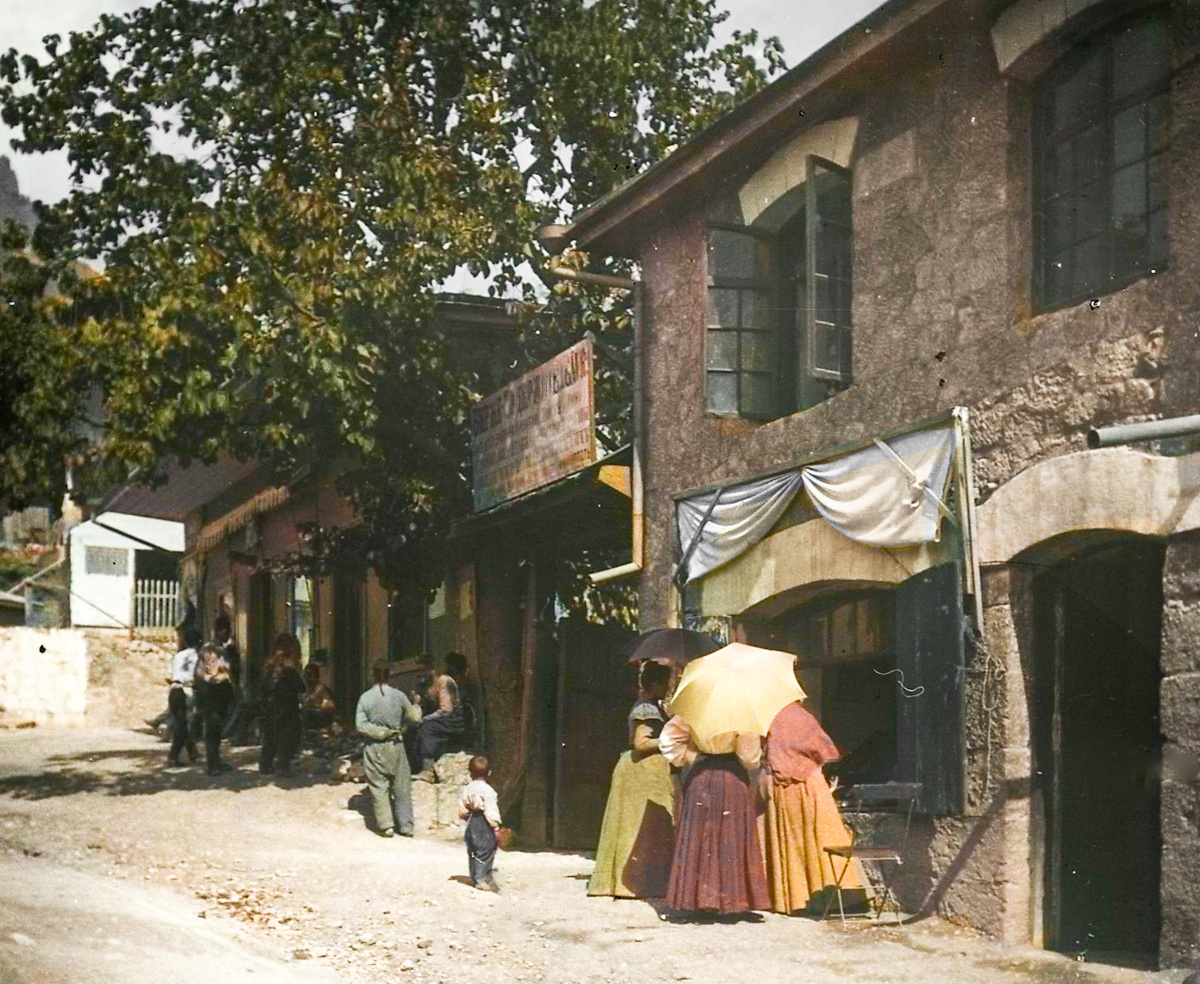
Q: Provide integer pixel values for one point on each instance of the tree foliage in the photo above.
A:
(277, 187)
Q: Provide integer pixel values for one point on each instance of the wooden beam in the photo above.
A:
(617, 477)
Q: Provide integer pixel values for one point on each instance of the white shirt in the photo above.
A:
(183, 668)
(479, 797)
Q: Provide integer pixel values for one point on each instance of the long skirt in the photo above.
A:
(718, 862)
(633, 858)
(802, 820)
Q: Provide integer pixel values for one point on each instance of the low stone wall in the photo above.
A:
(43, 677)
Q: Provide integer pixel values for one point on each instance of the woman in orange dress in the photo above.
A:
(802, 818)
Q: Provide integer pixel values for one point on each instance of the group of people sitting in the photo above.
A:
(684, 825)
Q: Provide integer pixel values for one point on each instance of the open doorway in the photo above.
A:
(1097, 746)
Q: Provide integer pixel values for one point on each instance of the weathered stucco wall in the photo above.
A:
(944, 315)
(43, 676)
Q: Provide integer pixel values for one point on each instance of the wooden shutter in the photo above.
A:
(930, 651)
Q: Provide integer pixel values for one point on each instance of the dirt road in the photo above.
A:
(255, 877)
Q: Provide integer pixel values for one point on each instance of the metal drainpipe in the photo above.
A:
(636, 486)
(1150, 430)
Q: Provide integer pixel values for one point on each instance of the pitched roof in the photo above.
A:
(185, 490)
(859, 57)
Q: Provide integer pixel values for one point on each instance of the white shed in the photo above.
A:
(125, 571)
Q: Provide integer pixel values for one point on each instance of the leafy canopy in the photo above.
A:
(277, 187)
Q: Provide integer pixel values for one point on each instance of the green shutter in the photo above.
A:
(930, 652)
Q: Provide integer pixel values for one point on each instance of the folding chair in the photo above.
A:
(896, 798)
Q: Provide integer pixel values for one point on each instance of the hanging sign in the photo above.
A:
(535, 430)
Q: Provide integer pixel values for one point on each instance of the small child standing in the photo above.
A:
(481, 810)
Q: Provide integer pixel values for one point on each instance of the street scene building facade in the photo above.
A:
(984, 206)
(915, 396)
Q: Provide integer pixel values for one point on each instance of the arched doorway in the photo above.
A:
(1096, 740)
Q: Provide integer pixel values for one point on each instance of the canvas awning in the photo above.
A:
(889, 495)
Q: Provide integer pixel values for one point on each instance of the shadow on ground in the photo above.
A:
(143, 772)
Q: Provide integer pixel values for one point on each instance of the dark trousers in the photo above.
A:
(434, 734)
(280, 739)
(180, 735)
(481, 848)
(218, 698)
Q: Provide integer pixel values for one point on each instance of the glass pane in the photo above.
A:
(722, 392)
(1089, 155)
(756, 309)
(1156, 181)
(1088, 273)
(1129, 250)
(825, 352)
(1129, 135)
(1091, 211)
(1059, 174)
(1156, 122)
(1157, 240)
(722, 307)
(758, 394)
(1129, 195)
(1058, 276)
(1060, 223)
(832, 194)
(722, 349)
(1081, 94)
(736, 255)
(758, 350)
(1141, 57)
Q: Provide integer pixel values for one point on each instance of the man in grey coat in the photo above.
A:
(382, 716)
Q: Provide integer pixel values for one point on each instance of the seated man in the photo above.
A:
(318, 709)
(446, 722)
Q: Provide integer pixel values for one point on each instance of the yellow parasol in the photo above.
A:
(738, 688)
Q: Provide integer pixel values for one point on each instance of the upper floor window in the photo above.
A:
(1099, 154)
(778, 324)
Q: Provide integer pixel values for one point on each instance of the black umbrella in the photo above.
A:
(674, 647)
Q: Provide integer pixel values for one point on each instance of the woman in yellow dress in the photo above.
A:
(633, 858)
(802, 818)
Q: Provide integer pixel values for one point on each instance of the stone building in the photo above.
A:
(972, 204)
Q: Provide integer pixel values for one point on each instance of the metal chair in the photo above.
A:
(897, 798)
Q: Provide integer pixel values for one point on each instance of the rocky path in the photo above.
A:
(286, 873)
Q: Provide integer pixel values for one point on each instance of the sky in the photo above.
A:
(802, 26)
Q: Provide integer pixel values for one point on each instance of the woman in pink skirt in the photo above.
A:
(718, 861)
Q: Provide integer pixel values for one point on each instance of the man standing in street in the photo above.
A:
(383, 714)
(183, 676)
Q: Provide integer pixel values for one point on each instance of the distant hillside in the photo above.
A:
(13, 205)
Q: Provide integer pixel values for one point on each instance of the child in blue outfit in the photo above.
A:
(479, 807)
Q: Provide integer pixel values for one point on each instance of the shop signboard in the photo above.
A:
(535, 430)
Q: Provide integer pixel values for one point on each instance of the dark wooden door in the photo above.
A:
(1098, 744)
(596, 691)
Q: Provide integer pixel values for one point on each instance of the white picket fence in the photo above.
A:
(155, 604)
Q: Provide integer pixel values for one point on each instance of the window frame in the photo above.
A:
(766, 287)
(1044, 140)
(797, 374)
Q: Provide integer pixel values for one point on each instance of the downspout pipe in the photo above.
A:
(637, 493)
(637, 489)
(1150, 430)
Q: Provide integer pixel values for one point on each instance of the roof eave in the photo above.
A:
(605, 224)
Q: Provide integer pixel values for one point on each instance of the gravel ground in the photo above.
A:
(292, 867)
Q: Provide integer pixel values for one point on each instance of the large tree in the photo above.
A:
(276, 188)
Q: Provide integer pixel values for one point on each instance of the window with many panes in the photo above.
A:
(1101, 130)
(778, 318)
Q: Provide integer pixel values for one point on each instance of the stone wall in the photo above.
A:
(1180, 816)
(43, 677)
